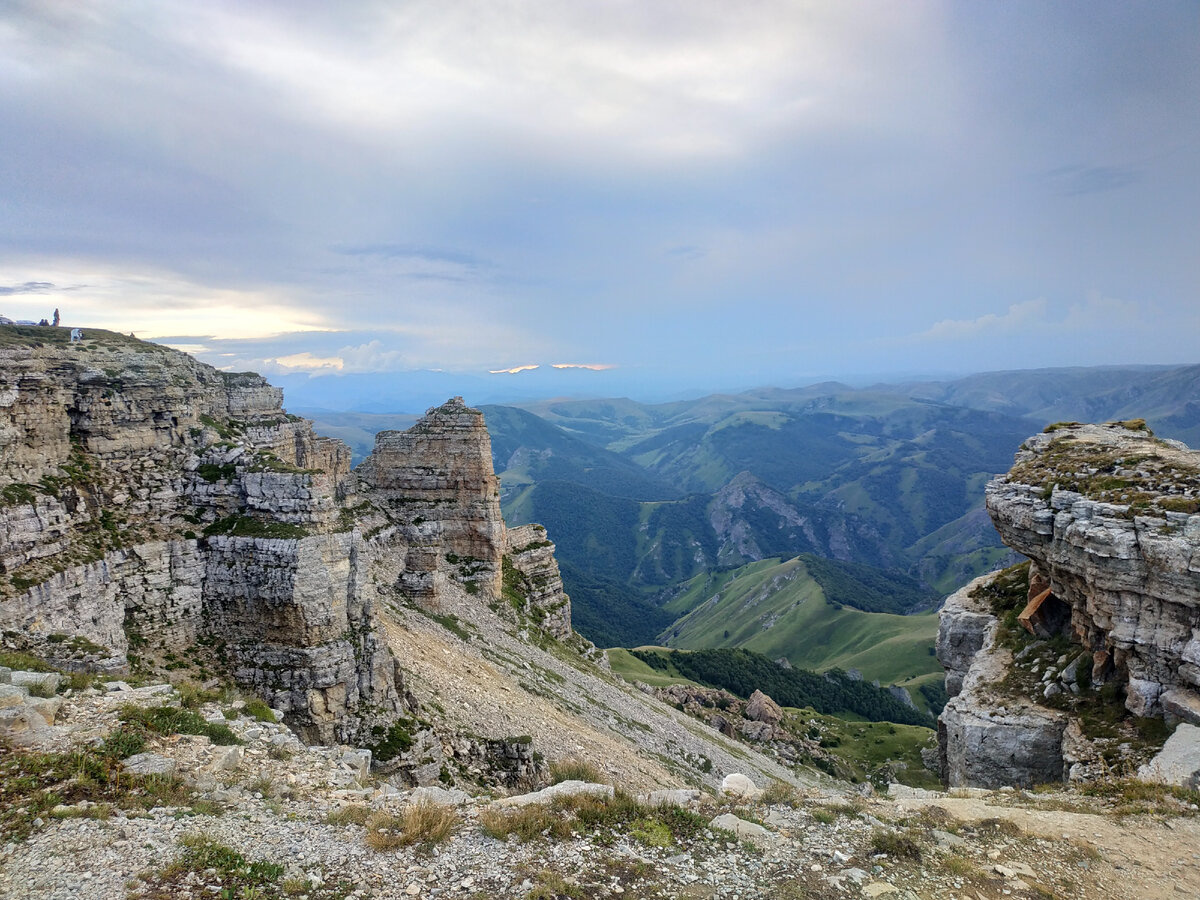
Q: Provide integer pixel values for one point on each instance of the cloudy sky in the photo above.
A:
(694, 193)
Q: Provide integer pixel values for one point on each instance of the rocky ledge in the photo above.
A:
(1109, 516)
(160, 515)
(1079, 663)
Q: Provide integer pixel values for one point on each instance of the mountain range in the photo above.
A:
(640, 498)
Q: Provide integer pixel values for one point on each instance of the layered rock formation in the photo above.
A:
(985, 737)
(158, 512)
(535, 581)
(1108, 516)
(439, 485)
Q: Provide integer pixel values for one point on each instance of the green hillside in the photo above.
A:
(527, 450)
(779, 609)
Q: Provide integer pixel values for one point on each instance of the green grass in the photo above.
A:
(173, 720)
(870, 751)
(627, 666)
(776, 609)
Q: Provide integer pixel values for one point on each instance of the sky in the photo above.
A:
(663, 196)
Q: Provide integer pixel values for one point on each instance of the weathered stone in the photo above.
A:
(44, 684)
(762, 708)
(532, 556)
(738, 785)
(965, 624)
(562, 789)
(149, 764)
(745, 831)
(46, 707)
(11, 695)
(438, 482)
(227, 759)
(672, 797)
(439, 796)
(1178, 763)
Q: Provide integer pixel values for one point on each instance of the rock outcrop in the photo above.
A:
(1108, 514)
(1108, 609)
(156, 512)
(534, 580)
(986, 739)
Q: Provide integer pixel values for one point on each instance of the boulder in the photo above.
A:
(745, 831)
(740, 786)
(555, 791)
(761, 708)
(149, 764)
(1178, 763)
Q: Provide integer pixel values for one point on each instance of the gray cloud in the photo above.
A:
(1079, 179)
(29, 287)
(689, 185)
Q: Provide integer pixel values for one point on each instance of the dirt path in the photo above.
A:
(1143, 857)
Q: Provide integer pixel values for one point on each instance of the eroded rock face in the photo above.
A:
(439, 485)
(152, 507)
(1107, 514)
(985, 740)
(132, 478)
(965, 625)
(531, 555)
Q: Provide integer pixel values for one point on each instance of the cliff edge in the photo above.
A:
(159, 514)
(1079, 662)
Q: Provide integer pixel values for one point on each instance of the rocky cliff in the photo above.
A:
(1106, 615)
(158, 513)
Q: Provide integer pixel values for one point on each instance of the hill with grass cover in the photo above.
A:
(742, 672)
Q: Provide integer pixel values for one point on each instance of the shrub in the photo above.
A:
(528, 823)
(173, 720)
(421, 823)
(779, 792)
(898, 844)
(257, 709)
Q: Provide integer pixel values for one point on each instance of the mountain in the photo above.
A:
(857, 476)
(1167, 397)
(816, 613)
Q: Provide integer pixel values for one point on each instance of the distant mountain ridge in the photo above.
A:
(642, 497)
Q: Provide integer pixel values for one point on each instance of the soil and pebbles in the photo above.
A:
(271, 799)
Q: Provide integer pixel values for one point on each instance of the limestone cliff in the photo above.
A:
(157, 512)
(1106, 615)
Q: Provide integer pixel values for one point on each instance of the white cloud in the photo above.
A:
(309, 363)
(1019, 315)
(515, 370)
(594, 367)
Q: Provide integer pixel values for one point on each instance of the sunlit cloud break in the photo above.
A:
(515, 370)
(594, 367)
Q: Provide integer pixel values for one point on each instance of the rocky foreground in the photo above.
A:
(246, 810)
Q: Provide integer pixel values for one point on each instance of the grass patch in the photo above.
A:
(221, 867)
(423, 823)
(572, 769)
(897, 844)
(259, 711)
(354, 814)
(779, 793)
(1130, 797)
(173, 720)
(32, 784)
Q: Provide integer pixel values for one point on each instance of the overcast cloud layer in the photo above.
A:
(701, 192)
